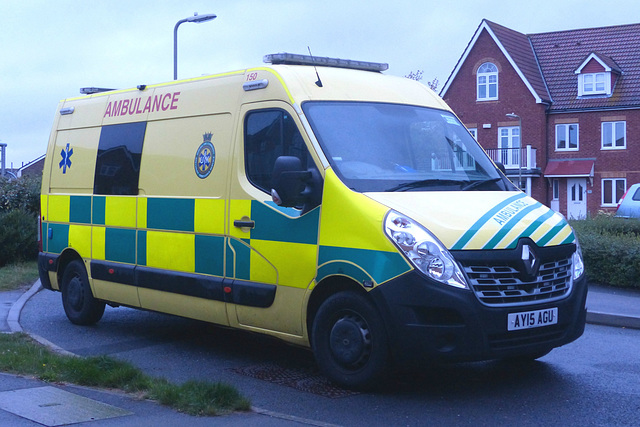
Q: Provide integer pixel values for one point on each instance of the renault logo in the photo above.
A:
(529, 260)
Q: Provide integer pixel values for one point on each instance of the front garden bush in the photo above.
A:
(19, 210)
(18, 236)
(611, 250)
(22, 193)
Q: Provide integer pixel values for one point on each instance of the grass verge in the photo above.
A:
(19, 354)
(19, 275)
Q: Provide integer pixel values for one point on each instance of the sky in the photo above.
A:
(49, 49)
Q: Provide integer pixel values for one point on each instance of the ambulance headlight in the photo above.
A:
(577, 262)
(424, 250)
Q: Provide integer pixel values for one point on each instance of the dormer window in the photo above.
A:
(597, 75)
(593, 84)
(487, 82)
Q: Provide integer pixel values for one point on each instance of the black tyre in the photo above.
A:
(78, 301)
(350, 342)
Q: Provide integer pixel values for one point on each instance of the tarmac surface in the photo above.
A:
(26, 401)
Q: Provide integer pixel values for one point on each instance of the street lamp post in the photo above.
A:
(515, 116)
(3, 154)
(195, 18)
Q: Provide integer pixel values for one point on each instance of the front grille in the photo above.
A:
(505, 285)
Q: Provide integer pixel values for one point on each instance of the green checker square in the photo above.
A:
(171, 214)
(142, 247)
(80, 209)
(99, 206)
(58, 237)
(210, 255)
(120, 245)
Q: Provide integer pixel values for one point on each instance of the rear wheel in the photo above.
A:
(78, 301)
(350, 342)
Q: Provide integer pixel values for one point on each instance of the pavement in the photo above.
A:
(26, 401)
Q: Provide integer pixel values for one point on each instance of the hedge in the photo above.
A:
(19, 210)
(611, 250)
(20, 194)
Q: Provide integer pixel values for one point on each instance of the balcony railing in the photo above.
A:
(514, 158)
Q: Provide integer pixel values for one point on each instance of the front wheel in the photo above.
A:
(78, 301)
(350, 342)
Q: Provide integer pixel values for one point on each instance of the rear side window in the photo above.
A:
(118, 162)
(268, 135)
(636, 195)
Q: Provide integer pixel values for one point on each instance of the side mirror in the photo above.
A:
(289, 182)
(501, 168)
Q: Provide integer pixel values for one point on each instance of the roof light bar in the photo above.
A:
(295, 59)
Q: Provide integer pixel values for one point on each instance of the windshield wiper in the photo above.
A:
(426, 183)
(475, 184)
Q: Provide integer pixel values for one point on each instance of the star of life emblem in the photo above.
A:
(205, 157)
(66, 159)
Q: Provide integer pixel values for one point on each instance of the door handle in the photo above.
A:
(241, 223)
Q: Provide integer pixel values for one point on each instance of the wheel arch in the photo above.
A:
(66, 257)
(327, 287)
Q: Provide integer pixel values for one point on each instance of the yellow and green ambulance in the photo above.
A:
(316, 200)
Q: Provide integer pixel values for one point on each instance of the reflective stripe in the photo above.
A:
(468, 235)
(531, 228)
(491, 244)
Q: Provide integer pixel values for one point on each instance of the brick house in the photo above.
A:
(560, 110)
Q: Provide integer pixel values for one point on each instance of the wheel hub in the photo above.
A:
(349, 341)
(74, 291)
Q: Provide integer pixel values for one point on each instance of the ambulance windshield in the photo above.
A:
(377, 147)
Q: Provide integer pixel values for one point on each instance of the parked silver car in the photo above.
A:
(629, 206)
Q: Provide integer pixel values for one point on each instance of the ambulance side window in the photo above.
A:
(269, 134)
(118, 161)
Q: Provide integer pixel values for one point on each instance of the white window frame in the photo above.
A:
(509, 148)
(611, 130)
(594, 84)
(474, 133)
(555, 189)
(566, 127)
(487, 76)
(611, 182)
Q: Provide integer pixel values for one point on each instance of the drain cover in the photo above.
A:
(51, 406)
(308, 380)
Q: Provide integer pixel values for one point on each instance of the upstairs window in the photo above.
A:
(597, 75)
(614, 135)
(487, 87)
(593, 84)
(567, 137)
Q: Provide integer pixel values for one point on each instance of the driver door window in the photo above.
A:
(270, 134)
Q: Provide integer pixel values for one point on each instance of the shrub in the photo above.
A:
(611, 250)
(18, 236)
(20, 194)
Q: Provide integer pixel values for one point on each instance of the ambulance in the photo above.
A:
(316, 200)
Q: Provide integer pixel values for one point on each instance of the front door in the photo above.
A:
(576, 198)
(272, 251)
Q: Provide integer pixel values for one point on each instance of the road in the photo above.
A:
(594, 381)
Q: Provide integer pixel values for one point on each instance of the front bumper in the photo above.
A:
(429, 321)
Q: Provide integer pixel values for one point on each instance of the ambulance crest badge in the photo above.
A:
(205, 157)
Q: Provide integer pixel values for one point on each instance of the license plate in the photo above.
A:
(532, 319)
